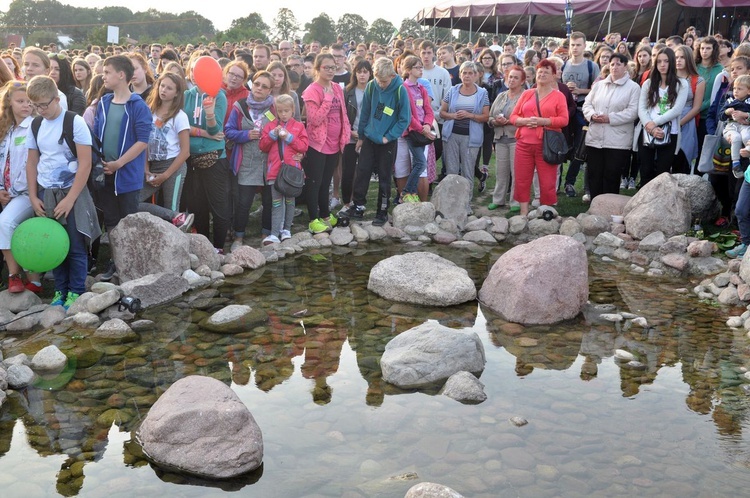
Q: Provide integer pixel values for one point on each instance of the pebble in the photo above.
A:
(611, 317)
(622, 355)
(518, 421)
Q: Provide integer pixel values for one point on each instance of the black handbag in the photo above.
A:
(581, 153)
(554, 145)
(419, 139)
(291, 180)
(653, 142)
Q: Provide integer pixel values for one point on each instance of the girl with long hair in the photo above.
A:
(82, 74)
(663, 96)
(281, 85)
(353, 95)
(168, 149)
(686, 70)
(143, 79)
(61, 72)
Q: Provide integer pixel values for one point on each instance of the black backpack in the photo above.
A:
(96, 176)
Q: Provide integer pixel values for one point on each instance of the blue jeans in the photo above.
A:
(418, 165)
(70, 276)
(742, 212)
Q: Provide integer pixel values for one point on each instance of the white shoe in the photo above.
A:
(586, 198)
(623, 183)
(271, 239)
(285, 235)
(236, 245)
(536, 203)
(631, 183)
(333, 203)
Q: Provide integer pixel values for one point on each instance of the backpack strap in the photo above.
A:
(245, 110)
(590, 66)
(67, 131)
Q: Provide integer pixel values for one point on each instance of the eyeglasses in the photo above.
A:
(292, 66)
(488, 58)
(258, 84)
(327, 68)
(506, 64)
(43, 107)
(339, 56)
(230, 74)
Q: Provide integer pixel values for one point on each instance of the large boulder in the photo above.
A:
(199, 426)
(143, 244)
(451, 198)
(430, 353)
(202, 247)
(608, 204)
(20, 301)
(421, 278)
(49, 360)
(660, 205)
(413, 213)
(156, 289)
(704, 206)
(432, 490)
(544, 281)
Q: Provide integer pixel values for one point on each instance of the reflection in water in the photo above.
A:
(311, 377)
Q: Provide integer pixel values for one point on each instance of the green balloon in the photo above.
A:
(39, 244)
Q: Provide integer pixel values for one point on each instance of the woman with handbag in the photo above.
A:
(610, 108)
(505, 134)
(410, 168)
(539, 109)
(663, 96)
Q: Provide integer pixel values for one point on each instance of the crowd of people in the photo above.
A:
(409, 113)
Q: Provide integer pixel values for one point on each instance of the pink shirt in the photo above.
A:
(333, 133)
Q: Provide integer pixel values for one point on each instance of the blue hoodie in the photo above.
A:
(385, 113)
(135, 127)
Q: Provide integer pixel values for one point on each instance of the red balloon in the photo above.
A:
(207, 75)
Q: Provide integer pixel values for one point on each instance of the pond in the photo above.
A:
(332, 427)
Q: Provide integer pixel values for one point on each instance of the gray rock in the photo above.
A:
(700, 249)
(375, 233)
(221, 440)
(704, 205)
(729, 296)
(194, 261)
(659, 205)
(446, 224)
(480, 224)
(499, 225)
(707, 266)
(517, 224)
(430, 353)
(652, 241)
(100, 302)
(216, 275)
(677, 261)
(607, 239)
(341, 236)
(527, 284)
(677, 244)
(19, 359)
(413, 213)
(231, 269)
(144, 244)
(156, 289)
(102, 287)
(80, 304)
(19, 376)
(608, 204)
(115, 330)
(735, 322)
(202, 271)
(142, 325)
(52, 316)
(431, 228)
(540, 226)
(431, 490)
(249, 257)
(359, 233)
(722, 279)
(413, 230)
(20, 301)
(443, 237)
(621, 254)
(27, 320)
(4, 380)
(452, 197)
(593, 225)
(604, 251)
(579, 237)
(570, 227)
(480, 237)
(86, 320)
(464, 387)
(235, 318)
(193, 279)
(421, 278)
(204, 251)
(309, 244)
(49, 360)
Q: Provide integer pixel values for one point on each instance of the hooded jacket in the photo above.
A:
(385, 113)
(135, 127)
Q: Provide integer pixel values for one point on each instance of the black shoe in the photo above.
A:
(482, 182)
(354, 212)
(110, 272)
(570, 191)
(380, 220)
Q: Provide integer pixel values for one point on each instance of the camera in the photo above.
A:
(132, 304)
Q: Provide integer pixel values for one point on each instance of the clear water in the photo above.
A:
(331, 427)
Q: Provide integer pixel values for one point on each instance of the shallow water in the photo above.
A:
(331, 427)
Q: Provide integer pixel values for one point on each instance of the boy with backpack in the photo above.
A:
(57, 185)
(123, 124)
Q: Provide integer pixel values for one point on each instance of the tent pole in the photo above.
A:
(471, 22)
(609, 24)
(497, 25)
(711, 26)
(528, 31)
(658, 23)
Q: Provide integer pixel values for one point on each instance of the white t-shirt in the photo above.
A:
(57, 165)
(440, 79)
(164, 142)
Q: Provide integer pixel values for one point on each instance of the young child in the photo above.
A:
(123, 124)
(292, 136)
(735, 133)
(57, 186)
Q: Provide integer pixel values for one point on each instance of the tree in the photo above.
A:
(246, 28)
(286, 24)
(352, 27)
(40, 38)
(321, 28)
(410, 27)
(381, 30)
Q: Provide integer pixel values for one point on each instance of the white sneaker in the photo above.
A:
(271, 239)
(285, 235)
(586, 198)
(334, 202)
(623, 183)
(536, 203)
(236, 245)
(631, 183)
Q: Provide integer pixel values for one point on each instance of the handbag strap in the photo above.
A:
(539, 109)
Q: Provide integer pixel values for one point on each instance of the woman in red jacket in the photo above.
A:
(530, 126)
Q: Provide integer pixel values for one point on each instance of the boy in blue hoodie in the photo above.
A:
(123, 124)
(384, 117)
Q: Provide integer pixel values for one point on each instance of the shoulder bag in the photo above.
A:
(291, 180)
(554, 145)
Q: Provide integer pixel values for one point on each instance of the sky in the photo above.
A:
(304, 10)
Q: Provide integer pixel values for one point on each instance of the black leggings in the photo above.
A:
(318, 172)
